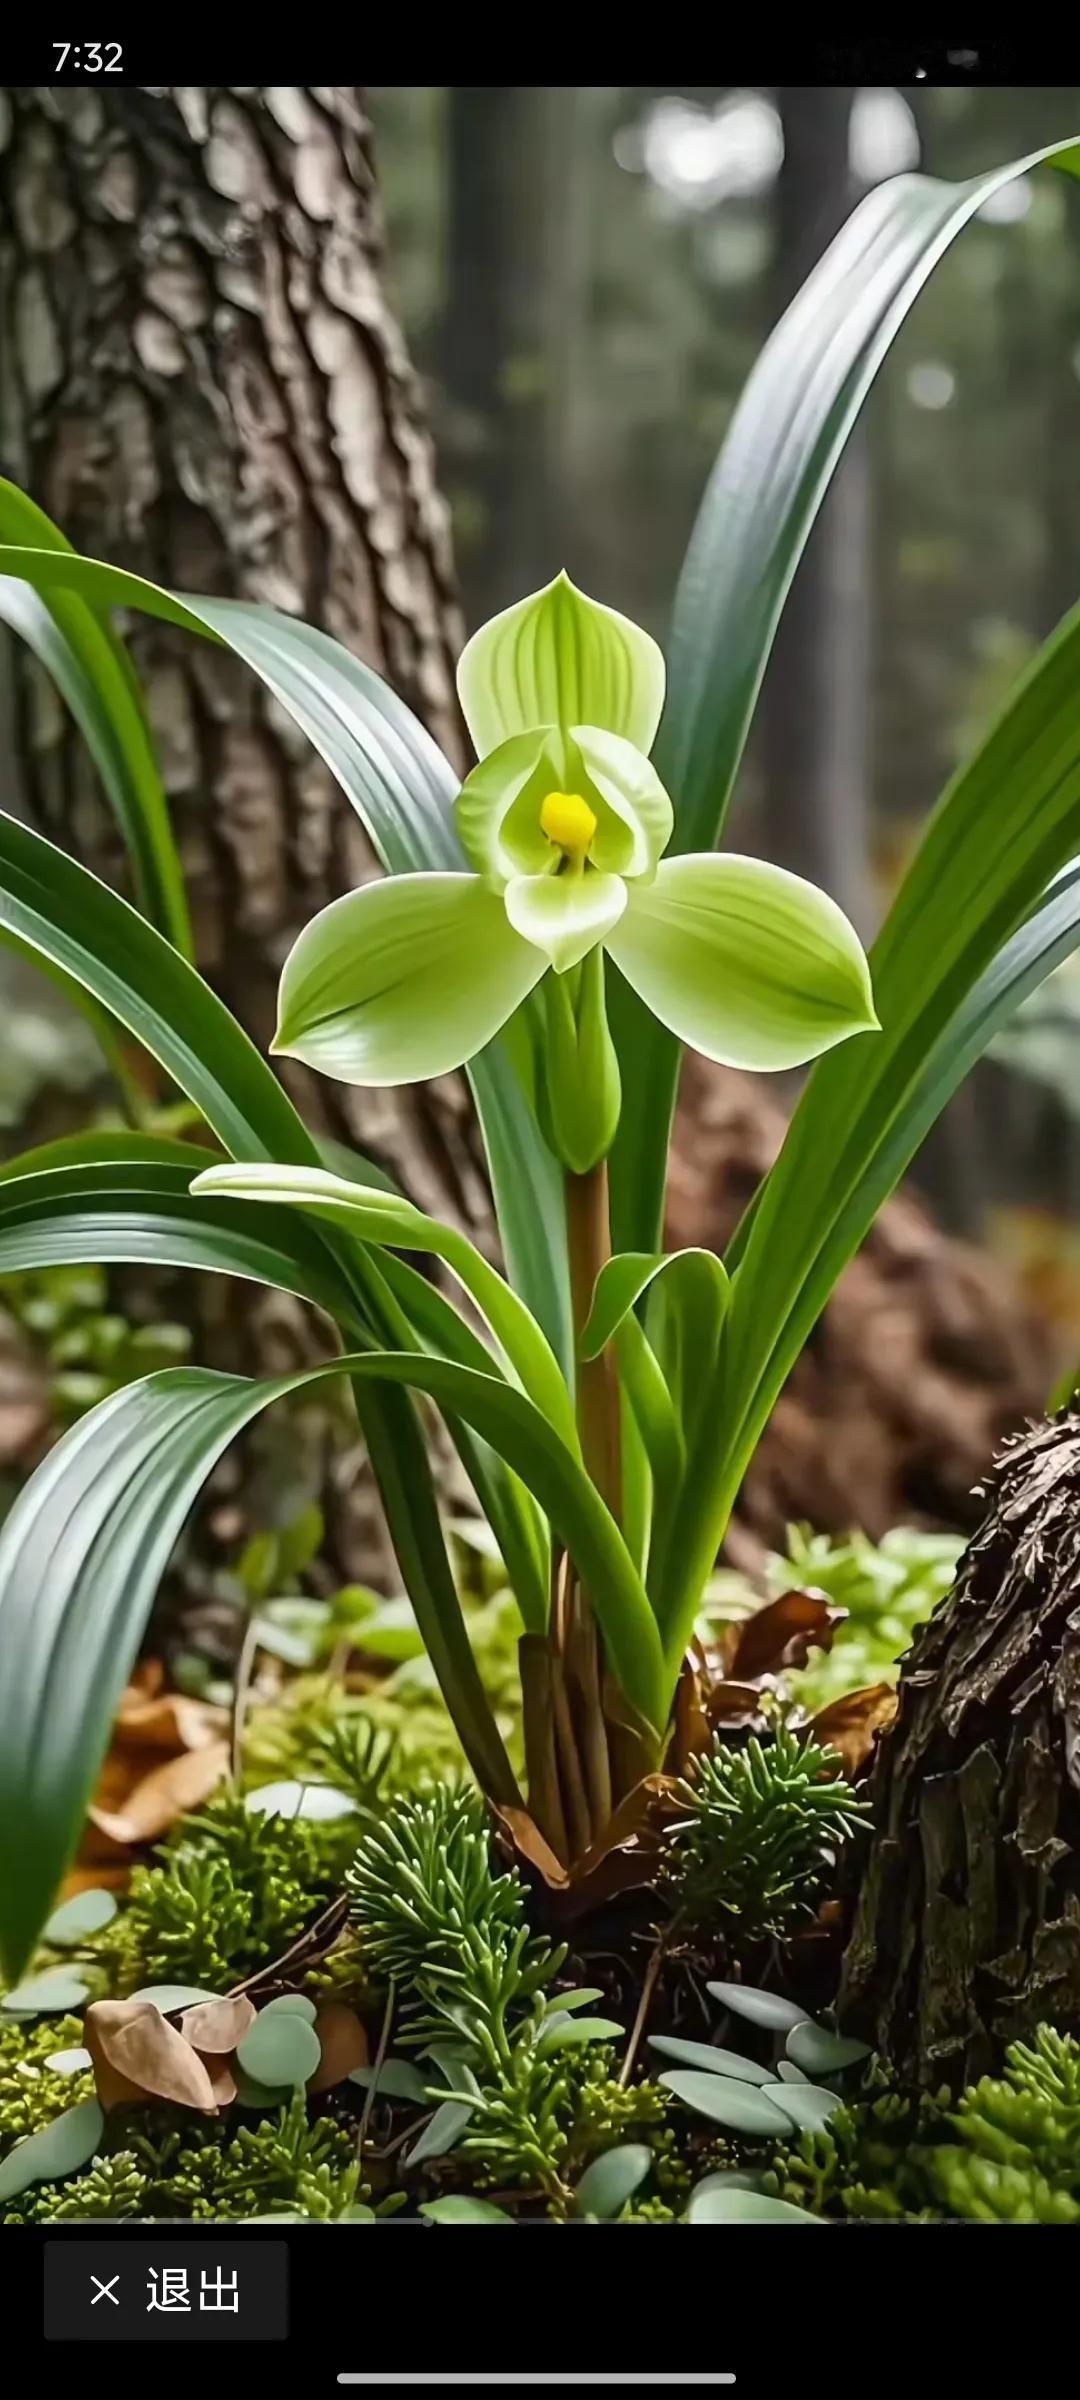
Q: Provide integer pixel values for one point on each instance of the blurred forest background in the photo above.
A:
(202, 377)
(586, 275)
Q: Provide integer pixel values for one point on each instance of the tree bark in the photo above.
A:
(202, 379)
(966, 1931)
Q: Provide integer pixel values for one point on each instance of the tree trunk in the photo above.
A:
(967, 1925)
(202, 380)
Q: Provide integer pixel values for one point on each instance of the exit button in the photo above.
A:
(166, 2291)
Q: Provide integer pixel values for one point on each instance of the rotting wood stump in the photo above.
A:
(966, 1926)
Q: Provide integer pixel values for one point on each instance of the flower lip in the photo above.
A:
(569, 822)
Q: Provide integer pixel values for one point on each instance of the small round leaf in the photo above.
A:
(69, 2062)
(58, 2150)
(612, 2180)
(711, 2058)
(291, 2004)
(741, 2106)
(315, 1801)
(281, 2047)
(819, 2052)
(759, 2008)
(808, 2103)
(458, 2209)
(75, 1920)
(53, 1994)
(734, 2207)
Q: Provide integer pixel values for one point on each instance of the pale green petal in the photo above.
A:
(498, 806)
(559, 658)
(403, 980)
(636, 797)
(750, 965)
(565, 915)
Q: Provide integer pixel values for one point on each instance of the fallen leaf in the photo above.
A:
(344, 2046)
(222, 2081)
(781, 1634)
(154, 1804)
(215, 2027)
(623, 1858)
(137, 2054)
(153, 1728)
(852, 1725)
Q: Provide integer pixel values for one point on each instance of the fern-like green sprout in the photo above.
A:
(436, 1919)
(761, 1827)
(422, 1880)
(233, 1890)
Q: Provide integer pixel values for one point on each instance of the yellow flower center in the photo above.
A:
(569, 822)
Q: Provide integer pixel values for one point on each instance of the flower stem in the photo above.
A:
(588, 1226)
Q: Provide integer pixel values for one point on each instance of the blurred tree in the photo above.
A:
(202, 379)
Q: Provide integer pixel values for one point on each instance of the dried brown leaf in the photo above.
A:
(137, 2054)
(781, 1634)
(151, 1806)
(215, 2027)
(851, 1725)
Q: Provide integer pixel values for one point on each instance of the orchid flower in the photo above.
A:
(565, 823)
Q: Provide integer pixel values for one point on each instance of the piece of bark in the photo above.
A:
(966, 1925)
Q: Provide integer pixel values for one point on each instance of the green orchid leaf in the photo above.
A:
(752, 966)
(126, 1198)
(403, 790)
(779, 455)
(562, 917)
(85, 1544)
(93, 674)
(65, 913)
(558, 658)
(108, 1210)
(403, 980)
(376, 1217)
(698, 1275)
(944, 973)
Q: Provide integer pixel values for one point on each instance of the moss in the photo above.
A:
(31, 2095)
(1008, 2152)
(232, 1891)
(163, 2167)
